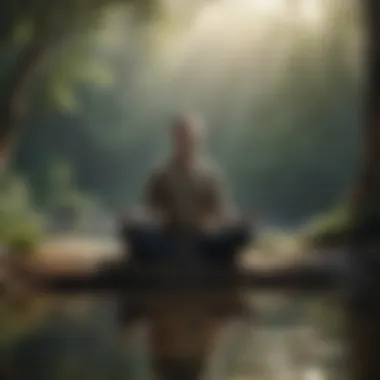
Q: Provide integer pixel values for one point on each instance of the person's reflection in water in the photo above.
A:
(187, 221)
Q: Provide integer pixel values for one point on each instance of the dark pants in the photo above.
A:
(153, 244)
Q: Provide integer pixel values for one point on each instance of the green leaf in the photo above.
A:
(95, 73)
(64, 95)
(23, 31)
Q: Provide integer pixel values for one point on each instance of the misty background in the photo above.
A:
(277, 83)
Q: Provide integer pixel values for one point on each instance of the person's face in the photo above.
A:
(185, 139)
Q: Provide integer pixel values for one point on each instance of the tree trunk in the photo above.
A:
(364, 319)
(13, 100)
(366, 202)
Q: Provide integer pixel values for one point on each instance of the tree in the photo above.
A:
(364, 321)
(366, 202)
(42, 25)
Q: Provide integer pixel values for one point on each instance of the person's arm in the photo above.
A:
(219, 204)
(153, 202)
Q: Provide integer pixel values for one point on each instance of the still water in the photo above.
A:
(79, 338)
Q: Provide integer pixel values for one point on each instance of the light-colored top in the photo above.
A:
(188, 200)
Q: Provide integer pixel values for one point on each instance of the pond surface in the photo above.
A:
(51, 338)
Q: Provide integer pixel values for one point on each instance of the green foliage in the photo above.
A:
(20, 225)
(64, 198)
(70, 65)
(64, 31)
(66, 205)
(23, 31)
(337, 218)
(329, 228)
(51, 19)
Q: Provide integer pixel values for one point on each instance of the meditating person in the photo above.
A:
(187, 212)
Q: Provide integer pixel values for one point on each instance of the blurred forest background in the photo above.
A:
(279, 90)
(278, 83)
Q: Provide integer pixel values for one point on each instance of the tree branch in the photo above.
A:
(13, 100)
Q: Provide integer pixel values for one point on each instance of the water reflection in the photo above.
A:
(81, 338)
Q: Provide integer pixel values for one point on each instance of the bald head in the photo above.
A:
(190, 124)
(187, 134)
